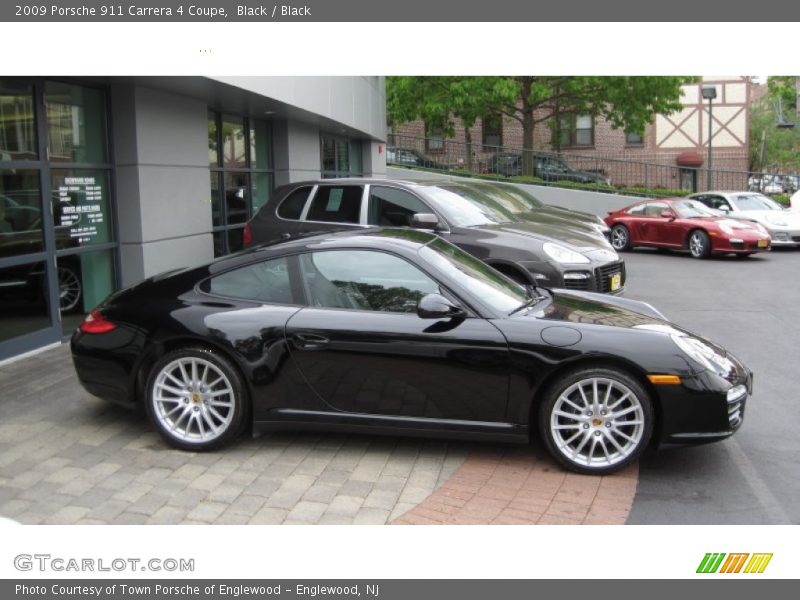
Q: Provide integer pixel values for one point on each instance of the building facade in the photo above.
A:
(678, 141)
(107, 181)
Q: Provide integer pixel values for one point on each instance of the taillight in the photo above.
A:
(97, 323)
(247, 235)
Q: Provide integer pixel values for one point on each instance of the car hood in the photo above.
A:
(567, 306)
(550, 229)
(765, 216)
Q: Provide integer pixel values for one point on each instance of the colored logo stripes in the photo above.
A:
(737, 562)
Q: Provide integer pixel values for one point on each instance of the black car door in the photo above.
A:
(361, 346)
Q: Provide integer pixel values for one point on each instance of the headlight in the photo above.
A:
(561, 254)
(702, 353)
(601, 226)
(726, 227)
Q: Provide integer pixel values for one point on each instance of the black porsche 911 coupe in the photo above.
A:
(396, 331)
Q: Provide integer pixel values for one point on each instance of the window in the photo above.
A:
(576, 130)
(336, 204)
(341, 157)
(637, 210)
(17, 122)
(390, 207)
(654, 209)
(292, 207)
(634, 138)
(434, 140)
(242, 175)
(492, 132)
(266, 281)
(363, 280)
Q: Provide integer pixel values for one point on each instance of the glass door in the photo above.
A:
(57, 242)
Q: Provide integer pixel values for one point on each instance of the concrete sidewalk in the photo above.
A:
(67, 457)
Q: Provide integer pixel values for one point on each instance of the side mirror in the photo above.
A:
(667, 214)
(425, 221)
(436, 306)
(725, 209)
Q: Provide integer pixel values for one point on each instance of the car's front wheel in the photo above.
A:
(620, 238)
(196, 399)
(596, 420)
(699, 244)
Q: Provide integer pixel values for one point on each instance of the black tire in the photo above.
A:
(200, 405)
(620, 238)
(596, 430)
(699, 244)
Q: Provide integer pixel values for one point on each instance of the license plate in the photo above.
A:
(762, 243)
(616, 282)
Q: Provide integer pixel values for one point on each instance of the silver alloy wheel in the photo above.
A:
(619, 238)
(597, 422)
(696, 244)
(193, 400)
(69, 289)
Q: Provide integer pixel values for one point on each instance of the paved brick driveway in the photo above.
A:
(66, 457)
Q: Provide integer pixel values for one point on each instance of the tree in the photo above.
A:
(439, 100)
(774, 148)
(626, 102)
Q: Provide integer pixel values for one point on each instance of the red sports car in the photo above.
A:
(682, 224)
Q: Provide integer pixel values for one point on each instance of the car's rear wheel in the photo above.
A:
(196, 399)
(620, 238)
(596, 420)
(699, 244)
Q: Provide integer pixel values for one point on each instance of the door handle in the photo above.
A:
(310, 341)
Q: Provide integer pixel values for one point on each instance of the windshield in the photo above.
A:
(494, 289)
(755, 202)
(464, 207)
(690, 209)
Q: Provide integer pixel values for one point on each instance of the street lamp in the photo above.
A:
(709, 93)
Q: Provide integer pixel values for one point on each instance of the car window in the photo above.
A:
(336, 204)
(266, 281)
(391, 207)
(654, 209)
(637, 210)
(492, 287)
(756, 202)
(363, 280)
(292, 206)
(690, 209)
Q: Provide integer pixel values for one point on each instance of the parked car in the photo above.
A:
(516, 200)
(411, 158)
(540, 245)
(396, 331)
(545, 167)
(783, 225)
(681, 224)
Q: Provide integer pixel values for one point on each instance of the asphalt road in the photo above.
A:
(752, 307)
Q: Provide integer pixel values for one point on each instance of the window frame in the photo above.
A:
(571, 130)
(634, 143)
(337, 173)
(434, 133)
(313, 195)
(220, 171)
(499, 119)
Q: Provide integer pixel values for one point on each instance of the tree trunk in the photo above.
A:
(527, 144)
(468, 138)
(527, 128)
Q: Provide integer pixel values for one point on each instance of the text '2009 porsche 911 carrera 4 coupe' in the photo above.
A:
(396, 331)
